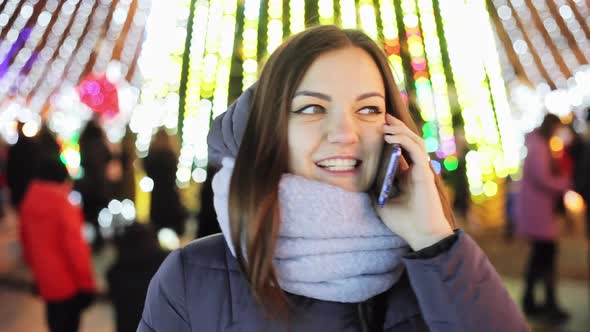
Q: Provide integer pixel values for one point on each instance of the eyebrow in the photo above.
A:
(328, 98)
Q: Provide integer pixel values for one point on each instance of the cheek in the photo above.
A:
(301, 142)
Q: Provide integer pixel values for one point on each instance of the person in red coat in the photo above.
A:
(54, 248)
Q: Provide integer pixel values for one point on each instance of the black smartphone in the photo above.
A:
(386, 184)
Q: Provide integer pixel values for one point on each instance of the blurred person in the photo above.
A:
(54, 248)
(94, 185)
(304, 246)
(138, 257)
(166, 209)
(207, 217)
(124, 184)
(582, 169)
(3, 182)
(21, 166)
(543, 183)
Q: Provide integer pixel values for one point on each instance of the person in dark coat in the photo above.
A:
(304, 246)
(166, 209)
(139, 256)
(94, 185)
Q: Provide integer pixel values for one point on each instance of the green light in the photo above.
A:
(451, 163)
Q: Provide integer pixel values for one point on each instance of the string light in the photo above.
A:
(443, 117)
(83, 53)
(391, 41)
(134, 35)
(274, 28)
(26, 53)
(250, 43)
(566, 12)
(46, 54)
(508, 21)
(58, 64)
(348, 14)
(368, 18)
(325, 11)
(473, 94)
(116, 24)
(164, 44)
(557, 37)
(511, 143)
(422, 81)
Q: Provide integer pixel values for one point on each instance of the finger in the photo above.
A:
(397, 127)
(418, 155)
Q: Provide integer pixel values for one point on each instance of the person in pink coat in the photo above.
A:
(542, 185)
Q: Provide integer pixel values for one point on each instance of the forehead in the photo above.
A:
(349, 71)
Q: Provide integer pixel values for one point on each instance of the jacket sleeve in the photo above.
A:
(541, 170)
(165, 305)
(460, 291)
(75, 248)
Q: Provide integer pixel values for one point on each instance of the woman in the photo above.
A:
(304, 249)
(543, 182)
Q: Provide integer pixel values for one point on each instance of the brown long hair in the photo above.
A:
(263, 155)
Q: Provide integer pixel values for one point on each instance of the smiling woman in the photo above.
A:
(303, 247)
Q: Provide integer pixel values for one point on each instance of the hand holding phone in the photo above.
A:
(387, 187)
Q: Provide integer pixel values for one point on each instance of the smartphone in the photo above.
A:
(390, 163)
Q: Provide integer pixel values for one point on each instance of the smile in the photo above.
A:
(339, 165)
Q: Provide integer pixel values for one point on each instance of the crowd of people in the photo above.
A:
(287, 251)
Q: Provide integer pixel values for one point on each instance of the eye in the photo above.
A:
(369, 110)
(311, 110)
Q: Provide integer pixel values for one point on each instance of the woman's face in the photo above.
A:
(336, 120)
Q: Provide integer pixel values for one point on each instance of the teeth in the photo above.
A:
(339, 168)
(347, 163)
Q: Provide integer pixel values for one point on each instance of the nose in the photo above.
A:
(342, 128)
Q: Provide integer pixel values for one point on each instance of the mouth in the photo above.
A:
(340, 165)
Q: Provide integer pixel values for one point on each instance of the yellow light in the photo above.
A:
(556, 144)
(348, 13)
(573, 202)
(490, 188)
(325, 10)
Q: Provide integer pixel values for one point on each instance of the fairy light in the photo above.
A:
(163, 45)
(584, 10)
(508, 21)
(195, 139)
(438, 79)
(83, 53)
(538, 43)
(566, 12)
(325, 11)
(193, 116)
(250, 43)
(348, 14)
(557, 37)
(391, 41)
(46, 54)
(368, 18)
(297, 15)
(226, 51)
(6, 14)
(26, 53)
(17, 27)
(511, 143)
(134, 35)
(274, 29)
(422, 84)
(473, 95)
(57, 67)
(115, 28)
